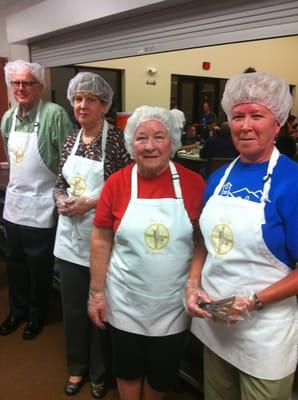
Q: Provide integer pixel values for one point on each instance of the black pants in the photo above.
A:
(86, 345)
(30, 263)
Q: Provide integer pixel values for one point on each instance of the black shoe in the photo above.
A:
(10, 324)
(70, 389)
(98, 390)
(32, 329)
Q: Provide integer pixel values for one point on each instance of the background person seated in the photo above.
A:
(190, 139)
(286, 142)
(292, 126)
(220, 145)
(207, 132)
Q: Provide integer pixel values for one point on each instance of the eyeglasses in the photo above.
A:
(25, 84)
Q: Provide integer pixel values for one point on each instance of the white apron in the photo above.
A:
(152, 250)
(29, 194)
(264, 346)
(85, 178)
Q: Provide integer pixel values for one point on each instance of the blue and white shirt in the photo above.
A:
(280, 231)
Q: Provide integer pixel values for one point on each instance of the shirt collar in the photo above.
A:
(31, 115)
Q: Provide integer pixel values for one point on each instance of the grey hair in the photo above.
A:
(148, 113)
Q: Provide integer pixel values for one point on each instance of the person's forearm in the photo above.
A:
(59, 192)
(280, 290)
(194, 295)
(101, 249)
(197, 262)
(60, 188)
(91, 202)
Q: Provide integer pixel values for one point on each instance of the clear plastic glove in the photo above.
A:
(193, 296)
(72, 206)
(61, 200)
(97, 308)
(230, 310)
(241, 309)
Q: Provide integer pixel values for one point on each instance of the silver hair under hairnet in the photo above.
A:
(148, 113)
(90, 83)
(20, 66)
(258, 87)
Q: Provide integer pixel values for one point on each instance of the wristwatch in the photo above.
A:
(258, 303)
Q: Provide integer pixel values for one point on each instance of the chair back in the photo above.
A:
(215, 163)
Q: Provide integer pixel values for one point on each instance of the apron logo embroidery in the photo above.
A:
(222, 239)
(18, 155)
(156, 236)
(78, 185)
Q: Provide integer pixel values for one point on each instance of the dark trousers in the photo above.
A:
(86, 345)
(30, 264)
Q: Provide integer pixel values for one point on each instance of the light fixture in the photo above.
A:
(151, 71)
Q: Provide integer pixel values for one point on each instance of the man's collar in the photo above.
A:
(31, 114)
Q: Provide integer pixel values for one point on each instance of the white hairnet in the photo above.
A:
(258, 87)
(90, 82)
(20, 66)
(148, 113)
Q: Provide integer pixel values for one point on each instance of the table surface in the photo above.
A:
(190, 155)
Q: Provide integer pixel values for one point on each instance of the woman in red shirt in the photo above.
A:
(141, 247)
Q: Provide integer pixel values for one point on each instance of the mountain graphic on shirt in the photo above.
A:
(244, 193)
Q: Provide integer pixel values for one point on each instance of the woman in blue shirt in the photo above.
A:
(249, 254)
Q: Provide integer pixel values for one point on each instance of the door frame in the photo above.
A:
(198, 82)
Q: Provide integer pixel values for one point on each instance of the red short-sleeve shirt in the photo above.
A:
(116, 194)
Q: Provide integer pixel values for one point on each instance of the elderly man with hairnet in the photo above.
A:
(243, 279)
(33, 133)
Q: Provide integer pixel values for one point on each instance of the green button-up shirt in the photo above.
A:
(54, 127)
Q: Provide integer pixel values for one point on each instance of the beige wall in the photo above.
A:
(276, 56)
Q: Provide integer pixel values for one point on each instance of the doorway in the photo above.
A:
(188, 93)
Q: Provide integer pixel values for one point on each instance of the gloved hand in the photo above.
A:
(72, 206)
(241, 309)
(193, 295)
(97, 307)
(61, 200)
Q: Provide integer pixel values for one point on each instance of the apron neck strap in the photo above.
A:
(267, 178)
(225, 176)
(37, 118)
(175, 180)
(104, 135)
